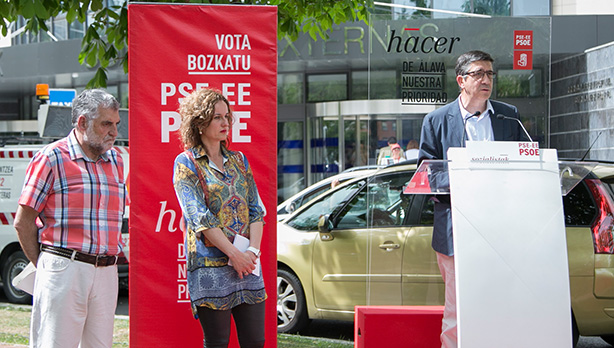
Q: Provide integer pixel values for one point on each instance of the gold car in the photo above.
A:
(367, 243)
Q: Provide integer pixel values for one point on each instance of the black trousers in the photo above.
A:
(249, 322)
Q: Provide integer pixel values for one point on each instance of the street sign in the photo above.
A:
(61, 96)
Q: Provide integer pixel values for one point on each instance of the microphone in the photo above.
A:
(476, 114)
(503, 117)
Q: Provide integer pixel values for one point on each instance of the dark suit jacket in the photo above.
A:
(442, 129)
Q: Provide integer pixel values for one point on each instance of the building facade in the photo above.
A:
(340, 99)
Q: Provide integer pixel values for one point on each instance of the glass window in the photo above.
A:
(32, 37)
(23, 37)
(290, 88)
(116, 3)
(380, 131)
(113, 90)
(383, 85)
(76, 30)
(17, 39)
(123, 94)
(44, 35)
(488, 7)
(290, 159)
(313, 194)
(379, 204)
(60, 28)
(579, 207)
(29, 107)
(410, 136)
(519, 83)
(324, 145)
(9, 111)
(427, 215)
(331, 87)
(354, 215)
(308, 219)
(531, 8)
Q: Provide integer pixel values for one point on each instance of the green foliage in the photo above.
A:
(295, 341)
(487, 7)
(105, 41)
(15, 324)
(421, 13)
(14, 339)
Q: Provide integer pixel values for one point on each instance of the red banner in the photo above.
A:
(173, 50)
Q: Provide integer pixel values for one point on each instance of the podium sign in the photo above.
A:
(512, 281)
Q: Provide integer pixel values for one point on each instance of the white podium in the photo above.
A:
(512, 281)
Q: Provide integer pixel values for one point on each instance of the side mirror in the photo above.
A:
(291, 207)
(324, 227)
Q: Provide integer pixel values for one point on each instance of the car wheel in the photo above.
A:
(291, 307)
(609, 339)
(14, 265)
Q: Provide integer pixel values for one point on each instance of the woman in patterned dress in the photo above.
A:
(219, 201)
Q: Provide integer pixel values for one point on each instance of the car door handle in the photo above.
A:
(389, 246)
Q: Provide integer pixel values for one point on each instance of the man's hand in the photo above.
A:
(27, 231)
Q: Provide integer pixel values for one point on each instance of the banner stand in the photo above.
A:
(174, 50)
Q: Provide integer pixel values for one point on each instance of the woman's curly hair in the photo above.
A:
(196, 112)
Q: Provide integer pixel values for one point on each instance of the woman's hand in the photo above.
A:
(243, 263)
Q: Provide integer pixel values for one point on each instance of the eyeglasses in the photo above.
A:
(479, 74)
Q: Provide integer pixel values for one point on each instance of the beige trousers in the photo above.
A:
(74, 304)
(448, 324)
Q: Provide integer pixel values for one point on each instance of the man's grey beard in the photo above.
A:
(89, 138)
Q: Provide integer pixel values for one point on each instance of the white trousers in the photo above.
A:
(448, 324)
(74, 304)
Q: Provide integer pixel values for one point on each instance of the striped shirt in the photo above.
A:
(80, 201)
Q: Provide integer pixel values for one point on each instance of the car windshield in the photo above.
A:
(308, 219)
(358, 205)
(379, 204)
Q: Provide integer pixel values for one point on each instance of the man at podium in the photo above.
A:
(472, 116)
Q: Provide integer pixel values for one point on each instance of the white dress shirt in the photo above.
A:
(479, 128)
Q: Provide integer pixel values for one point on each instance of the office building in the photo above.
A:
(340, 99)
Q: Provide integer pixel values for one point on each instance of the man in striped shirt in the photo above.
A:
(69, 225)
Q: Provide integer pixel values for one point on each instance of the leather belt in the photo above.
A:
(96, 260)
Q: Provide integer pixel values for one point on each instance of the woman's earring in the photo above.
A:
(200, 132)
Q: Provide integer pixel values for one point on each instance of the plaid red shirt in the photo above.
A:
(80, 201)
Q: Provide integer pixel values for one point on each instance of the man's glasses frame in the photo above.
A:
(479, 74)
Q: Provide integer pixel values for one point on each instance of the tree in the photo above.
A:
(105, 41)
(488, 7)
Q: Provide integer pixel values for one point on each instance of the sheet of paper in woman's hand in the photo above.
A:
(242, 244)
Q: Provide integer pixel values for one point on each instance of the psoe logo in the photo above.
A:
(523, 60)
(523, 39)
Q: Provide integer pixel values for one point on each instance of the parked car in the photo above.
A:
(373, 247)
(307, 194)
